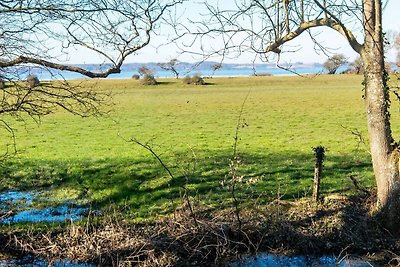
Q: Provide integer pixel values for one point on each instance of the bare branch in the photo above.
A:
(274, 47)
(260, 27)
(22, 59)
(34, 32)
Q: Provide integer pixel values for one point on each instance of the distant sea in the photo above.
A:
(227, 71)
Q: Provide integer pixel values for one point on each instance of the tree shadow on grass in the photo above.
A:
(273, 222)
(144, 187)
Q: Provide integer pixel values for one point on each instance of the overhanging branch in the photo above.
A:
(26, 60)
(274, 47)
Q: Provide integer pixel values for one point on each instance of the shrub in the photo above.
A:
(334, 63)
(357, 66)
(135, 76)
(32, 81)
(187, 80)
(149, 80)
(143, 70)
(197, 80)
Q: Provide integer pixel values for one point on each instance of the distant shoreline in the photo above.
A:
(204, 69)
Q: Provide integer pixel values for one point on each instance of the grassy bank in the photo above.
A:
(192, 128)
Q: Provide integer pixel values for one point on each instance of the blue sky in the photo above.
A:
(306, 52)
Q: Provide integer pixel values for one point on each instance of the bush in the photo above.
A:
(149, 80)
(334, 63)
(143, 70)
(135, 76)
(32, 81)
(187, 80)
(196, 80)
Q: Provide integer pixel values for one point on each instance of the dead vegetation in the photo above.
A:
(338, 225)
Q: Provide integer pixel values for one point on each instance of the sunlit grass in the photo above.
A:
(192, 128)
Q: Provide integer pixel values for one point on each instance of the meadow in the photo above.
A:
(192, 129)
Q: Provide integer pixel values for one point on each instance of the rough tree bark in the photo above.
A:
(384, 151)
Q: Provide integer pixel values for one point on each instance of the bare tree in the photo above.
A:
(112, 29)
(258, 26)
(357, 65)
(145, 71)
(397, 46)
(171, 66)
(147, 76)
(215, 67)
(333, 63)
(40, 35)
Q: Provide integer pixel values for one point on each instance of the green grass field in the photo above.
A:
(192, 128)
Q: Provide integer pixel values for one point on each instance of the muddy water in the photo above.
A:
(271, 260)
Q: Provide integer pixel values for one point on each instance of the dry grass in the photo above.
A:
(339, 225)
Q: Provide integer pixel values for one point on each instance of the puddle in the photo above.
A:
(271, 260)
(22, 206)
(53, 214)
(12, 198)
(30, 261)
(20, 203)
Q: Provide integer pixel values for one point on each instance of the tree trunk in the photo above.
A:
(385, 153)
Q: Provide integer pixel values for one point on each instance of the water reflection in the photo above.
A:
(16, 207)
(30, 261)
(272, 260)
(53, 214)
(15, 198)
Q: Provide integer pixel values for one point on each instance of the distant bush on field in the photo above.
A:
(149, 80)
(143, 71)
(198, 80)
(195, 79)
(136, 76)
(187, 80)
(148, 76)
(32, 81)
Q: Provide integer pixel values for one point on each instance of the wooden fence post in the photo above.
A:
(319, 153)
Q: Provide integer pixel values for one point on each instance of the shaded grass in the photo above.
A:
(192, 128)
